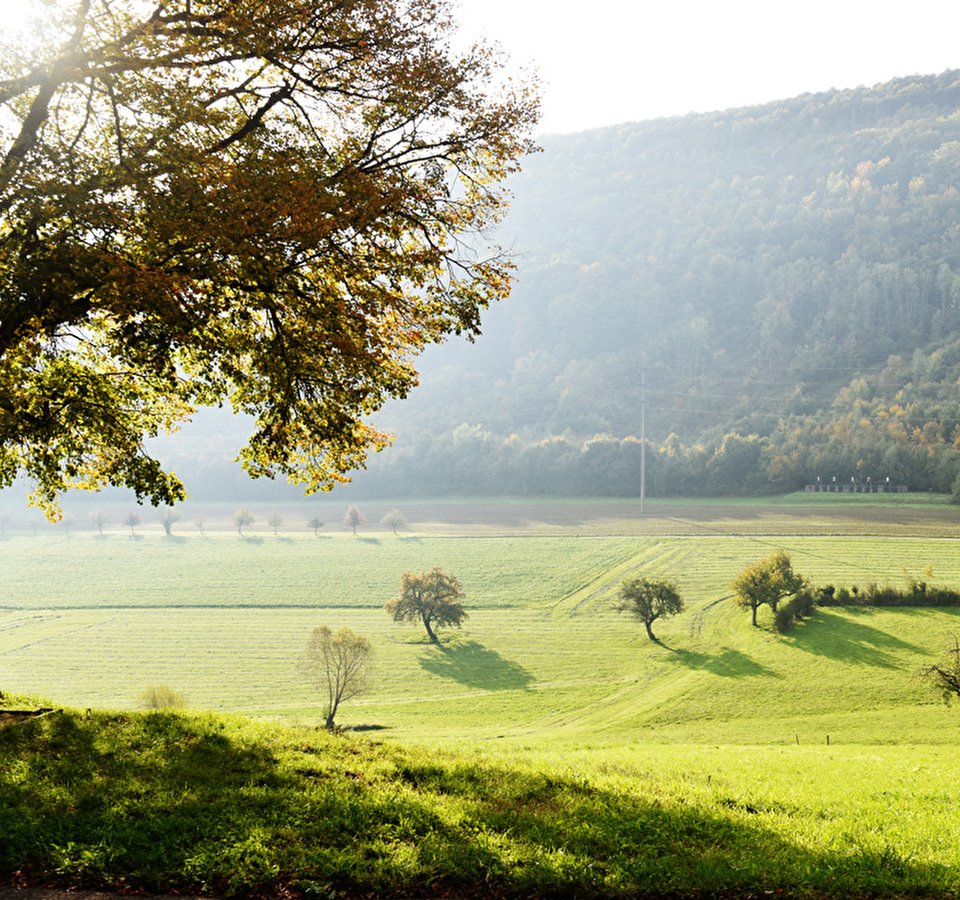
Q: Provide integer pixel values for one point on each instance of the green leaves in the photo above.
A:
(433, 598)
(649, 600)
(766, 582)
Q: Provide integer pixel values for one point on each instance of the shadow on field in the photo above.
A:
(840, 636)
(171, 803)
(728, 664)
(368, 540)
(474, 665)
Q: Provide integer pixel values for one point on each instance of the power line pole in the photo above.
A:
(643, 436)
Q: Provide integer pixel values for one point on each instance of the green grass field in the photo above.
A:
(92, 621)
(548, 742)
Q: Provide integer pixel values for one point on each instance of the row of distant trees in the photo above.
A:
(243, 517)
(901, 423)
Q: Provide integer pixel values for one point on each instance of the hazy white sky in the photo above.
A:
(609, 61)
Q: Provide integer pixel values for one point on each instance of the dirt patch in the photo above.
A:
(12, 716)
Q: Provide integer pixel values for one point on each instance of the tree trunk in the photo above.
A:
(754, 607)
(649, 631)
(430, 634)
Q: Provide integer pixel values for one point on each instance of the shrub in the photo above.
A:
(162, 697)
(917, 593)
(804, 603)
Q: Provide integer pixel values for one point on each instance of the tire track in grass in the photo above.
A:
(697, 619)
(654, 557)
(57, 635)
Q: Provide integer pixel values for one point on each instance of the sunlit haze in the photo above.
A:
(607, 61)
(15, 14)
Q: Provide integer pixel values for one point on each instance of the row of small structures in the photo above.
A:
(855, 487)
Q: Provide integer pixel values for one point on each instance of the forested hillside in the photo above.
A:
(786, 276)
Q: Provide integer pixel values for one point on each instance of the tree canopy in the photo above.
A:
(433, 598)
(337, 665)
(766, 583)
(273, 205)
(648, 600)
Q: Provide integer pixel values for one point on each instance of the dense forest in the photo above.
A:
(783, 279)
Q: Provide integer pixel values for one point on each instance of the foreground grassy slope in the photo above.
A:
(202, 803)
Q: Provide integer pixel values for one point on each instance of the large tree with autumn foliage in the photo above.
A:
(273, 204)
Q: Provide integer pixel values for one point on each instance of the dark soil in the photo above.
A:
(12, 716)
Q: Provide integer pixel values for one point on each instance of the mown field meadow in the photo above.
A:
(735, 759)
(92, 620)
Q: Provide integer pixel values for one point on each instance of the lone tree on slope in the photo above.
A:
(433, 598)
(648, 600)
(337, 665)
(766, 582)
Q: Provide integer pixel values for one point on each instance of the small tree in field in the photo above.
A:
(354, 518)
(275, 521)
(316, 523)
(167, 518)
(162, 697)
(944, 676)
(648, 600)
(337, 665)
(766, 582)
(433, 598)
(131, 520)
(242, 517)
(394, 519)
(200, 521)
(99, 519)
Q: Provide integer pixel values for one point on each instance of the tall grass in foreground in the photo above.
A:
(195, 802)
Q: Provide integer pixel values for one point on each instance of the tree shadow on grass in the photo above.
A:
(727, 664)
(840, 636)
(474, 665)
